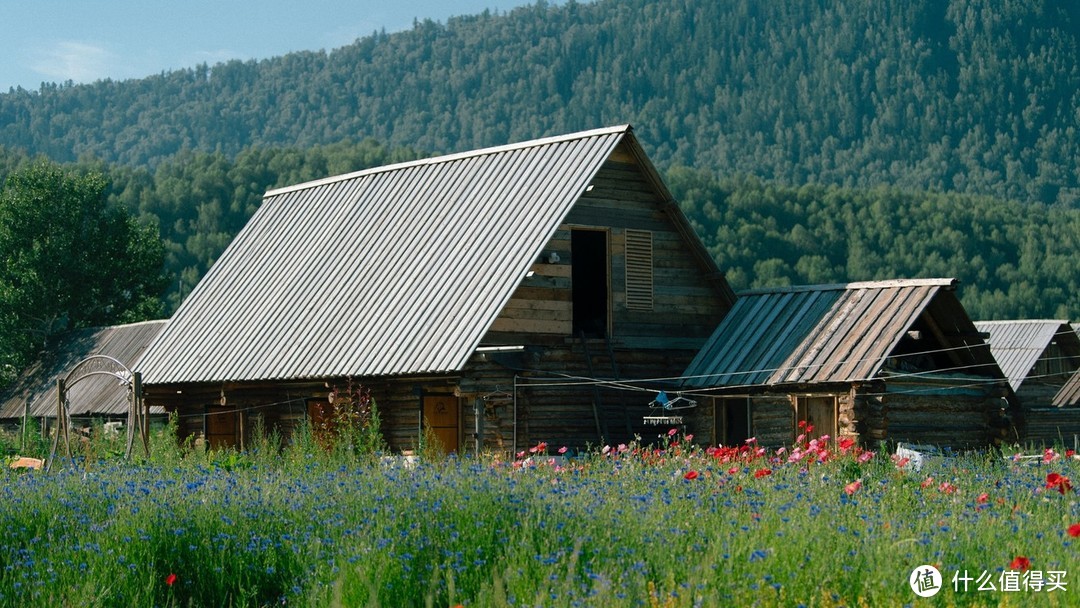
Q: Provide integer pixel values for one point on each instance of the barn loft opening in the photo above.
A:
(589, 282)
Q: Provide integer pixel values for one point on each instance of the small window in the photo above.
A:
(639, 270)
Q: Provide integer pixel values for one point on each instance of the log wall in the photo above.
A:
(1050, 426)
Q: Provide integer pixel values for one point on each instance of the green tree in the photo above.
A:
(69, 260)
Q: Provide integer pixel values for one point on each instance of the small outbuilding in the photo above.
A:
(34, 395)
(480, 296)
(1041, 358)
(874, 361)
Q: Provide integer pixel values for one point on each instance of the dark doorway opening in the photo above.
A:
(732, 421)
(589, 280)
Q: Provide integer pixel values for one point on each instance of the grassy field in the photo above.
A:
(815, 524)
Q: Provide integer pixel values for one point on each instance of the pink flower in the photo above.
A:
(865, 457)
(853, 487)
(671, 433)
(929, 481)
(688, 438)
(562, 450)
(983, 498)
(947, 488)
(521, 454)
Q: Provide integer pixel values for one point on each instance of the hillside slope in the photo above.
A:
(966, 95)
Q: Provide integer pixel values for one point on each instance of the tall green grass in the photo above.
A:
(628, 526)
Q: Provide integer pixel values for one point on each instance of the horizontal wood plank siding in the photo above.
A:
(1050, 427)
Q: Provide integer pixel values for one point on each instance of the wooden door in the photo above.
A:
(221, 427)
(442, 413)
(818, 412)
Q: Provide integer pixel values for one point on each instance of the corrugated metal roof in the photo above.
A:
(1069, 395)
(822, 333)
(394, 270)
(1018, 345)
(98, 395)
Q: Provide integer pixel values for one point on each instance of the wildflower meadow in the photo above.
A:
(661, 522)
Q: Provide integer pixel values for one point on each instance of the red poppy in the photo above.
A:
(846, 444)
(983, 498)
(169, 580)
(762, 473)
(1056, 481)
(1020, 563)
(1074, 530)
(691, 475)
(853, 487)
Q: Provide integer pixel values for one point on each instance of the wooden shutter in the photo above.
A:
(639, 270)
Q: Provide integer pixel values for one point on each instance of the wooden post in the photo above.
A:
(143, 413)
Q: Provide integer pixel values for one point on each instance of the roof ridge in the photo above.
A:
(942, 282)
(543, 141)
(1022, 321)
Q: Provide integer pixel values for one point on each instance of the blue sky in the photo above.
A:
(88, 40)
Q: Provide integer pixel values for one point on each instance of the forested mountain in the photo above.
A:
(974, 96)
(818, 141)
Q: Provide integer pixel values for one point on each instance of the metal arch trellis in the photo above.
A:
(101, 365)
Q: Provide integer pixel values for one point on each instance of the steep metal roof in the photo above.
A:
(1018, 345)
(827, 333)
(395, 270)
(36, 387)
(1069, 395)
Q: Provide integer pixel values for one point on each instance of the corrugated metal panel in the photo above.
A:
(814, 334)
(396, 270)
(98, 395)
(1018, 345)
(1069, 395)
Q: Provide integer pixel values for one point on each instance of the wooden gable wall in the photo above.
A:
(685, 306)
(644, 343)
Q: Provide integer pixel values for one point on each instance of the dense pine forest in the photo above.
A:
(819, 141)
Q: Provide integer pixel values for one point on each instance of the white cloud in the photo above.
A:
(72, 60)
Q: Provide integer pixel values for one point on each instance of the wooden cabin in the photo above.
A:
(1041, 359)
(875, 361)
(478, 295)
(34, 392)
